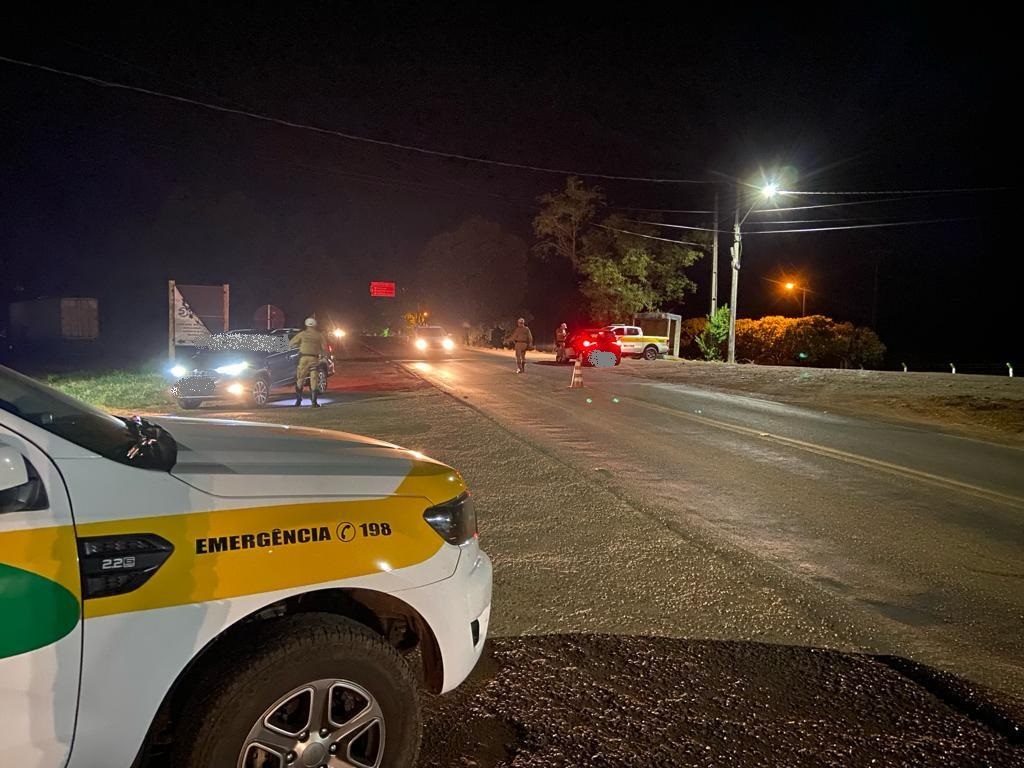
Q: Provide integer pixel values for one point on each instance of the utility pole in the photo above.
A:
(714, 261)
(736, 246)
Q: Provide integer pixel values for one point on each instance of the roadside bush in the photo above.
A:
(815, 340)
(714, 337)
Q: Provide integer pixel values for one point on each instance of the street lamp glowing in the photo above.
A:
(803, 298)
(768, 191)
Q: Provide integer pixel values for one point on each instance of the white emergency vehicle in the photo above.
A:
(227, 595)
(635, 343)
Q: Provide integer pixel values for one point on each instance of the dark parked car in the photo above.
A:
(241, 367)
(582, 344)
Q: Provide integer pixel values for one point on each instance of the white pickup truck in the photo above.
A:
(235, 595)
(637, 344)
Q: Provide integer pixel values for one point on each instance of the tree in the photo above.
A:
(565, 217)
(623, 267)
(475, 273)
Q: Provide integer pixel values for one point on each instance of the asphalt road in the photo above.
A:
(913, 538)
(686, 578)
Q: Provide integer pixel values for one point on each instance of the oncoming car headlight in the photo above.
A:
(455, 520)
(448, 344)
(178, 371)
(421, 343)
(232, 370)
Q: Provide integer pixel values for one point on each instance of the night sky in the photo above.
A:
(110, 193)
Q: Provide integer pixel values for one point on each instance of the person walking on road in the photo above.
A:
(522, 337)
(312, 346)
(560, 336)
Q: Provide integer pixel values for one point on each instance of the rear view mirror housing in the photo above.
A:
(13, 472)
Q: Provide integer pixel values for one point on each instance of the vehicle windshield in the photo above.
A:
(431, 332)
(109, 436)
(245, 342)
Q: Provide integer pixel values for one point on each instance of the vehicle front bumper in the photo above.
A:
(208, 388)
(458, 612)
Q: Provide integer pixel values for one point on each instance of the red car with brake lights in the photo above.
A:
(580, 344)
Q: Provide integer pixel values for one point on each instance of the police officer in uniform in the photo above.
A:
(522, 337)
(312, 346)
(560, 336)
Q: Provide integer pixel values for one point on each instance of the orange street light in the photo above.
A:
(803, 301)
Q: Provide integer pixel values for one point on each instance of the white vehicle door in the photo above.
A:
(629, 339)
(40, 609)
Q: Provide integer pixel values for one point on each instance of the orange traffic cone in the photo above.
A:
(577, 375)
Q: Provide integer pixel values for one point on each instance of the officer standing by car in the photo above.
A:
(522, 337)
(560, 336)
(312, 346)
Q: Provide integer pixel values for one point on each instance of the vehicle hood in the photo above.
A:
(244, 459)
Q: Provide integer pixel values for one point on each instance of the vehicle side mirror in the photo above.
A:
(12, 468)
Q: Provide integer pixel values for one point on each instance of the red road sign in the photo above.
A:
(382, 289)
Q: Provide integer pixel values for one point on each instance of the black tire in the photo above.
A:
(650, 353)
(189, 405)
(285, 655)
(259, 394)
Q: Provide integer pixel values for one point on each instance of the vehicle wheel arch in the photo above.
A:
(386, 615)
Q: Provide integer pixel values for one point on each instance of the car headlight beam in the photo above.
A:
(232, 370)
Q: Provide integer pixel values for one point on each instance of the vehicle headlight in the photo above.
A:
(232, 370)
(178, 371)
(421, 344)
(339, 333)
(455, 520)
(448, 344)
(236, 389)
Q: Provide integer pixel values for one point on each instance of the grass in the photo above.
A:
(115, 390)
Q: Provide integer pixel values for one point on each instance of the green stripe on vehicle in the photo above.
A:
(34, 612)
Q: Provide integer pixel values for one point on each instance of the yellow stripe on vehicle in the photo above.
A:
(230, 553)
(44, 552)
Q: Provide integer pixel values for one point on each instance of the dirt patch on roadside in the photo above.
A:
(989, 407)
(605, 701)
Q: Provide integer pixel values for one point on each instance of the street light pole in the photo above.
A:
(735, 250)
(714, 261)
(767, 192)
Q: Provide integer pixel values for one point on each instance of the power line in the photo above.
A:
(863, 226)
(341, 134)
(962, 190)
(651, 237)
(806, 229)
(679, 226)
(840, 205)
(657, 210)
(812, 221)
(326, 171)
